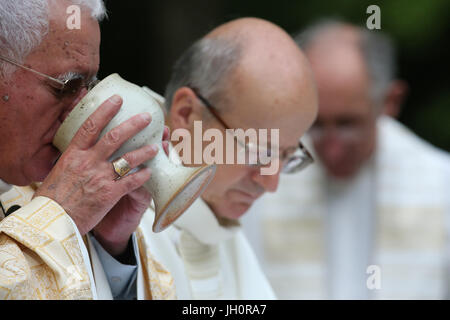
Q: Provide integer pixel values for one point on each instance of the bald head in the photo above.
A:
(246, 74)
(338, 64)
(372, 52)
(339, 68)
(270, 67)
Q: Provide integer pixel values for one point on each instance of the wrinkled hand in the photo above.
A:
(115, 230)
(83, 180)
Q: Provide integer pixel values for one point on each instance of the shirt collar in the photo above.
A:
(201, 222)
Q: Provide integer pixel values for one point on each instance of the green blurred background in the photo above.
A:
(142, 39)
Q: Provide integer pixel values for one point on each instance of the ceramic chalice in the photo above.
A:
(173, 187)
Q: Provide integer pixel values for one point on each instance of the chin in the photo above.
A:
(342, 174)
(237, 210)
(36, 174)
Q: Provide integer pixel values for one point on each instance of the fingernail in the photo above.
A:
(153, 148)
(116, 99)
(146, 116)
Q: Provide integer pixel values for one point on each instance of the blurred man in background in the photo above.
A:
(247, 74)
(370, 221)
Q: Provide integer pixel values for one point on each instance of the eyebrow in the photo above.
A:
(70, 75)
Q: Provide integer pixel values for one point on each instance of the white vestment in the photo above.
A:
(206, 260)
(43, 256)
(382, 234)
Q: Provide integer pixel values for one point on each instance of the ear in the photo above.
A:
(395, 96)
(185, 109)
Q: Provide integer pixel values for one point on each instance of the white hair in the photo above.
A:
(24, 23)
(204, 66)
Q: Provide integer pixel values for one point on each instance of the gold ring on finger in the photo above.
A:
(121, 167)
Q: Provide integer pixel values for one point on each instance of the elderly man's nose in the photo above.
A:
(333, 149)
(268, 182)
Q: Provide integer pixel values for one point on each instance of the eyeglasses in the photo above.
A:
(69, 87)
(293, 159)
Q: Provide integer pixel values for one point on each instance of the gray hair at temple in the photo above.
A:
(204, 66)
(377, 50)
(24, 23)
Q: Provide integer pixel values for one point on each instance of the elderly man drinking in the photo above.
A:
(71, 236)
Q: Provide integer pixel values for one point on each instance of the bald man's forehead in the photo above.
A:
(338, 62)
(343, 33)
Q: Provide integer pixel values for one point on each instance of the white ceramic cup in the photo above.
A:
(173, 187)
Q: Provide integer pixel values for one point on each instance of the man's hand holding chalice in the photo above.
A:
(85, 184)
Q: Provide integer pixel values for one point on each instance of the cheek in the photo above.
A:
(226, 177)
(27, 99)
(370, 143)
(31, 115)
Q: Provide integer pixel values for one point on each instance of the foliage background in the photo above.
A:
(142, 39)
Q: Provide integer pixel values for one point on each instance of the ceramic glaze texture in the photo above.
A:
(173, 187)
(135, 101)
